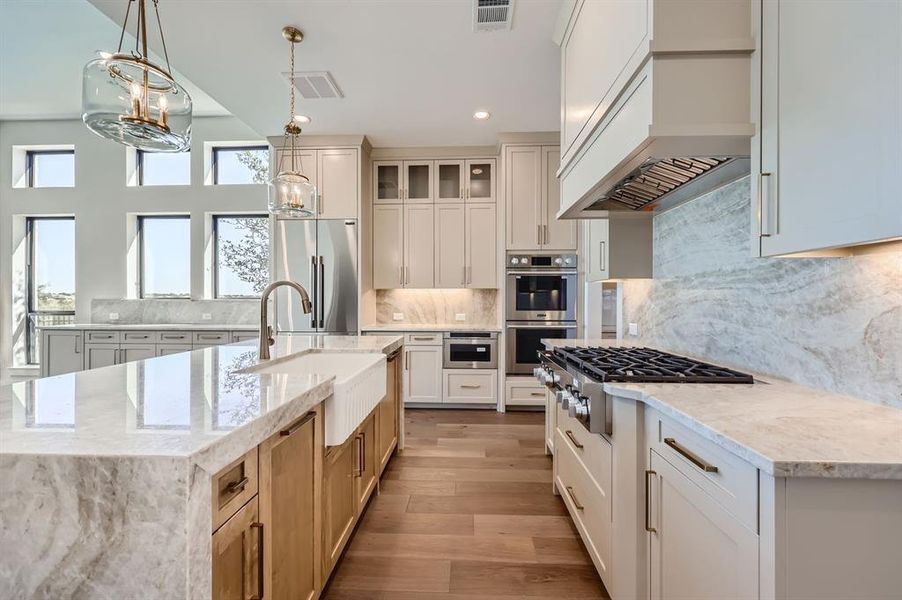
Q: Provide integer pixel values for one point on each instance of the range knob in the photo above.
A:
(568, 261)
(515, 260)
(578, 409)
(539, 373)
(566, 399)
(558, 261)
(559, 396)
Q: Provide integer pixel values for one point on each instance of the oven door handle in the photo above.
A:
(552, 273)
(543, 325)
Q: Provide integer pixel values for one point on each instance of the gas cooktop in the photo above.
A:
(645, 365)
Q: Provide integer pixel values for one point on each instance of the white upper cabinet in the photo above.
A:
(418, 181)
(387, 182)
(480, 181)
(618, 249)
(337, 174)
(558, 234)
(419, 246)
(388, 246)
(450, 256)
(449, 181)
(828, 157)
(481, 246)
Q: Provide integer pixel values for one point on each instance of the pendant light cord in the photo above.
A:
(291, 83)
(156, 9)
(128, 10)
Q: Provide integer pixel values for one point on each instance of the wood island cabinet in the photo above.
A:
(389, 411)
(339, 500)
(237, 558)
(367, 460)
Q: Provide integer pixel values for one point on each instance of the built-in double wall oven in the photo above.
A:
(540, 304)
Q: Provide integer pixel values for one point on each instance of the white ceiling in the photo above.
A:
(44, 44)
(412, 71)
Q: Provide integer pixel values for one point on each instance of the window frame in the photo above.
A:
(141, 255)
(31, 310)
(139, 169)
(29, 165)
(215, 159)
(215, 232)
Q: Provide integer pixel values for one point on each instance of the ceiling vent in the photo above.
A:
(314, 84)
(492, 15)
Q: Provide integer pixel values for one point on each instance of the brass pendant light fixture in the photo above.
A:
(131, 100)
(291, 194)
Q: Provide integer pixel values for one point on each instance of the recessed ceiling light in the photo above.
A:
(481, 115)
(302, 118)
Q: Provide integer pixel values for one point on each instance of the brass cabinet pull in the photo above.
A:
(427, 338)
(573, 498)
(573, 439)
(362, 453)
(237, 486)
(470, 386)
(648, 527)
(298, 424)
(695, 460)
(359, 439)
(537, 394)
(260, 591)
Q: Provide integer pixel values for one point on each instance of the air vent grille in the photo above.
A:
(654, 179)
(312, 85)
(492, 15)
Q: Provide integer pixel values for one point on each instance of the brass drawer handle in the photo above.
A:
(573, 439)
(573, 498)
(303, 421)
(470, 386)
(537, 394)
(260, 571)
(695, 460)
(423, 338)
(237, 486)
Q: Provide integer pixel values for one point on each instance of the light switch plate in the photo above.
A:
(634, 329)
(114, 316)
(206, 316)
(397, 316)
(460, 316)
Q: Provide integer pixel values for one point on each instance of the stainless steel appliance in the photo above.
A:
(470, 350)
(541, 287)
(524, 342)
(321, 255)
(576, 377)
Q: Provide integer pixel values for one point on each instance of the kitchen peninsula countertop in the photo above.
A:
(784, 429)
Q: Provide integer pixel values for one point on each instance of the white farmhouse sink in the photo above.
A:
(359, 386)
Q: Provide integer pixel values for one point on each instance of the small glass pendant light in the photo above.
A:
(133, 101)
(291, 195)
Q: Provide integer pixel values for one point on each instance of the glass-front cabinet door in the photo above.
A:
(449, 181)
(387, 182)
(417, 181)
(480, 180)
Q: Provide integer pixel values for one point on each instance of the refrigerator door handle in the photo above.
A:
(313, 281)
(322, 292)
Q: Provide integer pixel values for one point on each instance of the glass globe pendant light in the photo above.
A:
(133, 101)
(291, 195)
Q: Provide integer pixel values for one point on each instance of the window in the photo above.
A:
(241, 255)
(240, 164)
(164, 168)
(165, 256)
(50, 168)
(50, 277)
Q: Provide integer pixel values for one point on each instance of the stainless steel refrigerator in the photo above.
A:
(321, 255)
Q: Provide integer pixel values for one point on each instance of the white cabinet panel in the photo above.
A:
(620, 249)
(388, 246)
(418, 186)
(449, 181)
(61, 352)
(423, 374)
(523, 180)
(450, 265)
(470, 386)
(481, 246)
(132, 352)
(387, 182)
(167, 349)
(101, 355)
(480, 185)
(337, 183)
(557, 235)
(419, 246)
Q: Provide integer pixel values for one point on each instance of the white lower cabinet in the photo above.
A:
(167, 349)
(131, 352)
(470, 386)
(524, 391)
(423, 374)
(101, 355)
(61, 352)
(697, 549)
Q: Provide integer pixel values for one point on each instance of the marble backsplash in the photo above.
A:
(426, 307)
(830, 323)
(225, 312)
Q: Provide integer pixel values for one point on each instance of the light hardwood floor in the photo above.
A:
(466, 512)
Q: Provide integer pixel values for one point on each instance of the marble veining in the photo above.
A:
(147, 311)
(155, 327)
(433, 307)
(785, 429)
(830, 323)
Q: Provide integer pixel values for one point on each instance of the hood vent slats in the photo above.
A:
(655, 178)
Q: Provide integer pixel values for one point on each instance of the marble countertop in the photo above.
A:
(402, 327)
(155, 327)
(784, 429)
(177, 406)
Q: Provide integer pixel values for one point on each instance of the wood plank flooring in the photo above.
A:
(466, 512)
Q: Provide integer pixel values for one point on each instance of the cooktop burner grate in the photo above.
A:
(646, 365)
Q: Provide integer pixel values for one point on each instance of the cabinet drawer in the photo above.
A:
(589, 505)
(210, 338)
(470, 386)
(524, 391)
(243, 336)
(102, 337)
(734, 483)
(139, 337)
(175, 337)
(423, 339)
(592, 450)
(233, 486)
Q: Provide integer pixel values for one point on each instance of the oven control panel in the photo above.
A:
(541, 261)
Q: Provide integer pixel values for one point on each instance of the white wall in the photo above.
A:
(101, 203)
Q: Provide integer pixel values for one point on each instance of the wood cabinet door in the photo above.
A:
(556, 235)
(101, 355)
(290, 471)
(423, 374)
(61, 352)
(367, 460)
(450, 265)
(481, 246)
(388, 246)
(132, 352)
(418, 181)
(237, 558)
(522, 190)
(337, 176)
(811, 193)
(388, 420)
(339, 508)
(419, 246)
(480, 181)
(449, 181)
(387, 182)
(698, 549)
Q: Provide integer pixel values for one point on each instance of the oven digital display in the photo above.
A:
(540, 261)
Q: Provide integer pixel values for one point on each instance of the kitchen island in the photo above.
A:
(107, 474)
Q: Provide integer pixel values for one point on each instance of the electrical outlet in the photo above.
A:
(397, 316)
(634, 329)
(460, 316)
(206, 316)
(114, 316)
